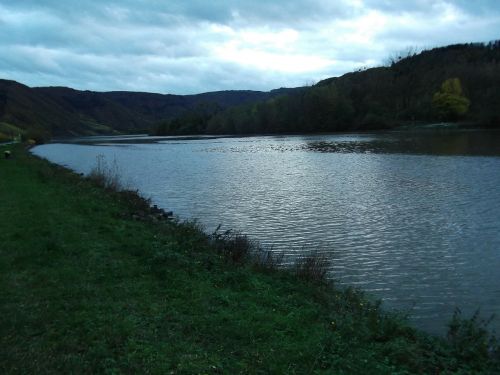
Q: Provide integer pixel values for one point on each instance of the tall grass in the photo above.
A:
(106, 176)
(268, 260)
(237, 248)
(312, 267)
(234, 246)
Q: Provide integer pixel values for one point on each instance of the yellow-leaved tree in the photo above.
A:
(449, 102)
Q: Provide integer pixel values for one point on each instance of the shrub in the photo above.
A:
(470, 340)
(234, 246)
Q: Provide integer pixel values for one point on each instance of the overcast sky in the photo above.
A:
(193, 46)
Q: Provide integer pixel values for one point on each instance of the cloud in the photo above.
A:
(195, 46)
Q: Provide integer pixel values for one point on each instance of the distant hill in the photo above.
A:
(62, 111)
(404, 91)
(453, 83)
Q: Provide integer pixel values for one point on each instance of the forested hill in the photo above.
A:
(458, 82)
(454, 83)
(61, 111)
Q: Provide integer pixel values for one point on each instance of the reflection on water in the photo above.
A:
(421, 143)
(441, 143)
(399, 219)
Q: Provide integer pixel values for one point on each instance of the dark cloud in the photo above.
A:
(198, 45)
(217, 11)
(427, 6)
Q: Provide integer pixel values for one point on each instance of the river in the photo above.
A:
(412, 218)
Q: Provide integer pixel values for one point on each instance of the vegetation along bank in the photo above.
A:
(90, 285)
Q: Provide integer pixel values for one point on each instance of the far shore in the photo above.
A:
(148, 138)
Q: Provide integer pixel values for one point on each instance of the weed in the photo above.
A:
(238, 248)
(234, 246)
(106, 176)
(268, 260)
(312, 267)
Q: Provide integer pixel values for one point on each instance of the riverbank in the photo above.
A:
(86, 287)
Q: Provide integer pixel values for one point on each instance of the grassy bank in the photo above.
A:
(89, 286)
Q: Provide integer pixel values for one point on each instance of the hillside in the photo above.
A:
(61, 111)
(453, 83)
(405, 90)
(403, 93)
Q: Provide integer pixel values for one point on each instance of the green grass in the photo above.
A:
(84, 288)
(9, 128)
(8, 131)
(95, 128)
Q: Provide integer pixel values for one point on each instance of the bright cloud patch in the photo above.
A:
(265, 50)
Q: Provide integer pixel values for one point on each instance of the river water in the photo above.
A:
(410, 217)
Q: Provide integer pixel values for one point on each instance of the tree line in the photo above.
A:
(453, 83)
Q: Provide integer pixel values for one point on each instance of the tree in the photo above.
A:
(449, 102)
(404, 54)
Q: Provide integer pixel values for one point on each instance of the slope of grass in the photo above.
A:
(8, 131)
(84, 288)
